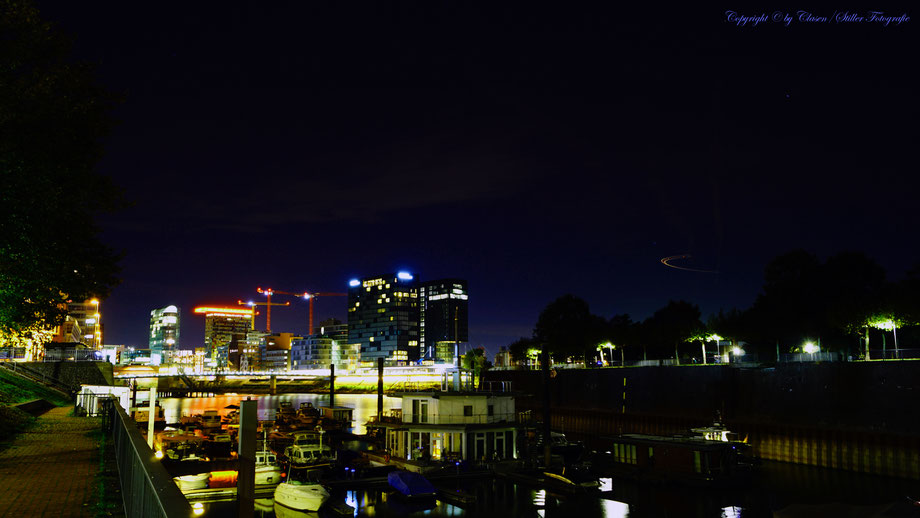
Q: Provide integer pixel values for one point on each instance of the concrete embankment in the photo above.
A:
(852, 416)
(74, 373)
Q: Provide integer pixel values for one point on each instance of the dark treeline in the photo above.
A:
(844, 304)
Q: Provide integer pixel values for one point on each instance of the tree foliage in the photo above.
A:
(567, 328)
(521, 348)
(52, 118)
(805, 298)
(671, 326)
(802, 298)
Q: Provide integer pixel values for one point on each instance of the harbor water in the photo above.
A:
(778, 490)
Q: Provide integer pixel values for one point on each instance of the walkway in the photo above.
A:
(50, 470)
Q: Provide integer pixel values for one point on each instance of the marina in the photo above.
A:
(356, 481)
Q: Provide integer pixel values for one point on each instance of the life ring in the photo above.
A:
(386, 457)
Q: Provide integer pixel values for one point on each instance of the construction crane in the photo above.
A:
(303, 295)
(311, 296)
(256, 313)
(268, 306)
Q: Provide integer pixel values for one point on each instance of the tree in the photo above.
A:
(567, 328)
(853, 286)
(521, 349)
(790, 304)
(622, 333)
(475, 360)
(673, 324)
(52, 119)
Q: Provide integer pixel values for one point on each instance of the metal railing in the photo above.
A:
(39, 377)
(12, 353)
(811, 357)
(495, 418)
(146, 487)
(72, 354)
(894, 354)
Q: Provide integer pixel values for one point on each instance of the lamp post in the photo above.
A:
(889, 323)
(610, 347)
(810, 348)
(712, 338)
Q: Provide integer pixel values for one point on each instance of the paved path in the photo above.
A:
(50, 469)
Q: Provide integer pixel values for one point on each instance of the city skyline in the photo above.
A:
(533, 152)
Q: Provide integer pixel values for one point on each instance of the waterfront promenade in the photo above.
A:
(51, 469)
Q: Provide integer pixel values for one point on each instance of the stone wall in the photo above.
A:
(75, 373)
(859, 396)
(850, 416)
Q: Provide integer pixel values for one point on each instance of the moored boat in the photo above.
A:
(308, 449)
(189, 482)
(267, 469)
(299, 496)
(691, 460)
(411, 485)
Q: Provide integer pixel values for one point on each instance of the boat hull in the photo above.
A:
(302, 497)
(190, 482)
(268, 475)
(411, 485)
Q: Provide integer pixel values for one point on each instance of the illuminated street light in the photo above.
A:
(810, 347)
(737, 351)
(887, 324)
(609, 346)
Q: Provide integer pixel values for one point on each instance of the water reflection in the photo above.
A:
(365, 405)
(286, 512)
(614, 509)
(779, 488)
(496, 497)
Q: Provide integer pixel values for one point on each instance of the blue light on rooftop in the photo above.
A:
(406, 276)
(354, 282)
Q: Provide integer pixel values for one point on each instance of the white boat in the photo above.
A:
(267, 469)
(301, 497)
(189, 482)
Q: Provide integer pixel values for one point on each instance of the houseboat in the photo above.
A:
(336, 418)
(453, 424)
(692, 460)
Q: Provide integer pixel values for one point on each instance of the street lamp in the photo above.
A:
(886, 323)
(889, 324)
(608, 346)
(711, 338)
(810, 348)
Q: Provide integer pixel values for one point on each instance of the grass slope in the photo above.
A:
(15, 390)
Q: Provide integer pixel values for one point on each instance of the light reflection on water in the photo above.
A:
(365, 405)
(779, 486)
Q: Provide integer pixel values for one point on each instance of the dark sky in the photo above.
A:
(533, 150)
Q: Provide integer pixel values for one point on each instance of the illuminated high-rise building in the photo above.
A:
(222, 326)
(328, 345)
(383, 318)
(443, 318)
(87, 316)
(164, 331)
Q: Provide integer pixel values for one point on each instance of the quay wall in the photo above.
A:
(851, 416)
(75, 373)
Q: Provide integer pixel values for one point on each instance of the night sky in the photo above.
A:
(533, 150)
